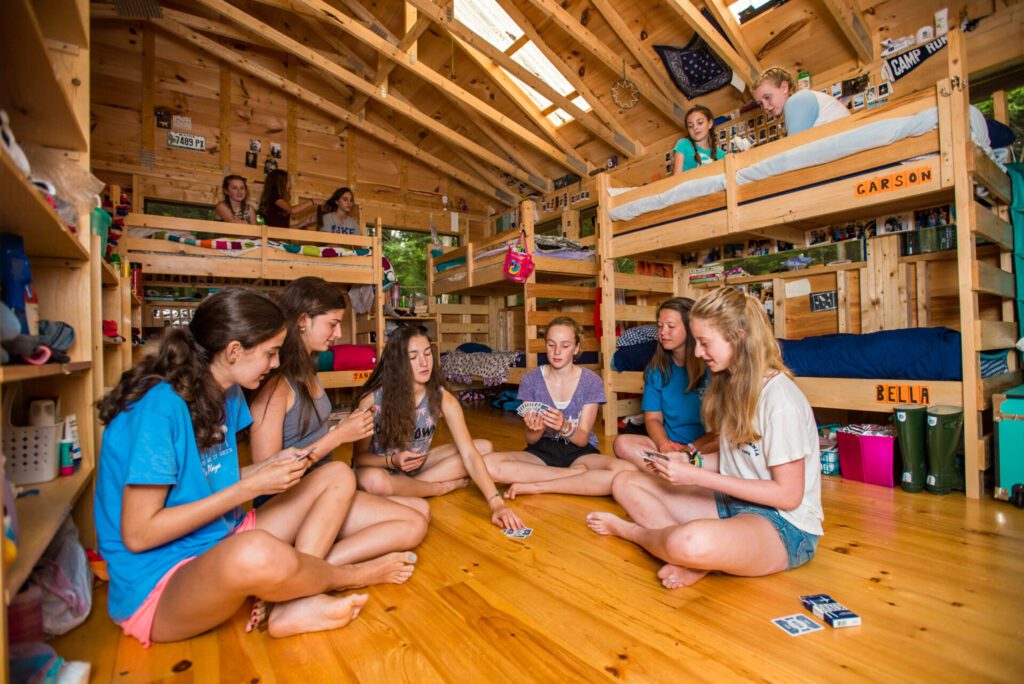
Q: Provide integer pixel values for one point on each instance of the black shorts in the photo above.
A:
(558, 453)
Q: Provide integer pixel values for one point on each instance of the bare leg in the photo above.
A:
(209, 589)
(310, 514)
(382, 483)
(595, 480)
(375, 526)
(521, 466)
(629, 448)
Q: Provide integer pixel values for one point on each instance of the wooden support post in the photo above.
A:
(351, 160)
(526, 212)
(966, 256)
(779, 305)
(843, 301)
(999, 109)
(291, 136)
(378, 283)
(571, 224)
(923, 295)
(603, 227)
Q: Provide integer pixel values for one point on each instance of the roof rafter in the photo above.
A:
(714, 39)
(636, 48)
(572, 162)
(588, 120)
(267, 75)
(607, 56)
(620, 135)
(724, 17)
(851, 22)
(311, 56)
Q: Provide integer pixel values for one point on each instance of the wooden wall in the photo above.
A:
(133, 64)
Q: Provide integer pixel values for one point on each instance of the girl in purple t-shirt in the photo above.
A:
(561, 452)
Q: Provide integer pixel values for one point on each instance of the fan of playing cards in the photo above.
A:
(532, 407)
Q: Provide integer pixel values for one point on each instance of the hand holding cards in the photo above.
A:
(532, 407)
(693, 458)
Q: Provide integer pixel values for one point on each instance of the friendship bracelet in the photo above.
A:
(496, 493)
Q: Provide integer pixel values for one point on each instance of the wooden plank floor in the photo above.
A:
(939, 582)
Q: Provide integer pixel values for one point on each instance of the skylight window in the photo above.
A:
(746, 9)
(489, 21)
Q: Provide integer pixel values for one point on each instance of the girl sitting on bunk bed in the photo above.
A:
(700, 146)
(276, 207)
(775, 90)
(407, 396)
(235, 208)
(762, 513)
(561, 452)
(674, 383)
(181, 553)
(337, 214)
(292, 410)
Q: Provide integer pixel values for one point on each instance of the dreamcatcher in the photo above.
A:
(625, 94)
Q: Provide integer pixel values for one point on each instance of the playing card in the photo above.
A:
(795, 625)
(532, 407)
(518, 534)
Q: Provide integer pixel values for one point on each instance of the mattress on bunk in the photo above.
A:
(491, 367)
(906, 354)
(867, 137)
(230, 245)
(325, 251)
(687, 190)
(569, 253)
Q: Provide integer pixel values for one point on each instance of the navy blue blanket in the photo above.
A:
(907, 354)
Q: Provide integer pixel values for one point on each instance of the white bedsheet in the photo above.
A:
(867, 137)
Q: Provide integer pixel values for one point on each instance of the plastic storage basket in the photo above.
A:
(32, 452)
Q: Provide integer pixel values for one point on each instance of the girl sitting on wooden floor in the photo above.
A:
(182, 555)
(408, 397)
(762, 514)
(561, 453)
(292, 410)
(674, 384)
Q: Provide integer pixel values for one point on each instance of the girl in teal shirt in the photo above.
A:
(700, 146)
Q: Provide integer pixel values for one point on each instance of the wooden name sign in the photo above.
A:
(901, 394)
(894, 181)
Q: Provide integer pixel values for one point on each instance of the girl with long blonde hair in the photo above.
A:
(760, 514)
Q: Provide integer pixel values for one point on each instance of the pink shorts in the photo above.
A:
(140, 624)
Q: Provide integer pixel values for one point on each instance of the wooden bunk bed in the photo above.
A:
(945, 166)
(474, 273)
(263, 256)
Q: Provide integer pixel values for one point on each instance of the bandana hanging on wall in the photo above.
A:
(695, 69)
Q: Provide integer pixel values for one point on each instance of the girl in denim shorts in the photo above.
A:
(761, 513)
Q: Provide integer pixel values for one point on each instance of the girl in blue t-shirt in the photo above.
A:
(182, 555)
(700, 147)
(408, 397)
(561, 454)
(674, 384)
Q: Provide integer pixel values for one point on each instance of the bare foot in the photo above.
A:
(608, 523)
(314, 614)
(391, 568)
(676, 577)
(258, 615)
(450, 486)
(517, 488)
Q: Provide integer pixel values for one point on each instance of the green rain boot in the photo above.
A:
(945, 424)
(910, 421)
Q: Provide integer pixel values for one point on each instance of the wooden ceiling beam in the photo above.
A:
(309, 55)
(504, 145)
(724, 17)
(234, 58)
(352, 27)
(620, 138)
(607, 56)
(515, 93)
(646, 57)
(588, 120)
(719, 45)
(851, 22)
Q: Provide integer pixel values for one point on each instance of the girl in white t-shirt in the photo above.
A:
(761, 513)
(775, 90)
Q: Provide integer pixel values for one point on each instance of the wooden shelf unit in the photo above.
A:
(45, 55)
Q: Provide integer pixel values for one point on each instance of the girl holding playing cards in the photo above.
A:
(560, 408)
(408, 397)
(762, 513)
(674, 385)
